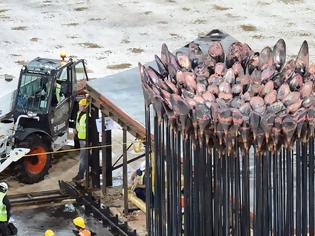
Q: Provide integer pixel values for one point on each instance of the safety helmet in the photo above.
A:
(83, 102)
(49, 232)
(79, 221)
(63, 54)
(3, 187)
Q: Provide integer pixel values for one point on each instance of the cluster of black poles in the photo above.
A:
(192, 189)
(200, 184)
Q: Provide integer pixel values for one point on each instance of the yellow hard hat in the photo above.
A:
(63, 54)
(49, 232)
(83, 102)
(79, 221)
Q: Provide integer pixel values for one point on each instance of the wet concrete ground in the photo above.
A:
(55, 218)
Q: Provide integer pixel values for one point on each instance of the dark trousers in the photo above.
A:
(83, 159)
(140, 193)
(4, 229)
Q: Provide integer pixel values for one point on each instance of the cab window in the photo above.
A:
(80, 71)
(33, 93)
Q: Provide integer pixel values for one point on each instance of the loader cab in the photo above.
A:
(48, 89)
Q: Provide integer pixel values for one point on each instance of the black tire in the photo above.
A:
(32, 169)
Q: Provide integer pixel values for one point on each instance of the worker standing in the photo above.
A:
(5, 209)
(81, 230)
(80, 132)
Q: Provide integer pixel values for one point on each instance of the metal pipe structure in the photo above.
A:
(210, 169)
(198, 191)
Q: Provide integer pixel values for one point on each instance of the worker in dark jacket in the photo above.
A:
(5, 209)
(80, 132)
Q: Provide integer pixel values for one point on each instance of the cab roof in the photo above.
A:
(44, 65)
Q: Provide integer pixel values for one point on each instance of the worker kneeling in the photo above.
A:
(138, 182)
(79, 223)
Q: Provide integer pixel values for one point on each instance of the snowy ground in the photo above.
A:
(115, 35)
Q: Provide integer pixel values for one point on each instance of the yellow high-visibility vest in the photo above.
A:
(3, 209)
(58, 91)
(142, 182)
(80, 125)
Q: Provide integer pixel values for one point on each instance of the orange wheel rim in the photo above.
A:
(35, 164)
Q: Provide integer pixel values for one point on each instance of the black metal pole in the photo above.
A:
(179, 181)
(268, 199)
(298, 189)
(174, 184)
(156, 176)
(275, 194)
(269, 192)
(104, 161)
(291, 195)
(125, 171)
(129, 161)
(209, 190)
(187, 173)
(283, 185)
(95, 154)
(106, 155)
(311, 188)
(163, 181)
(304, 189)
(288, 224)
(168, 179)
(87, 141)
(225, 196)
(245, 195)
(217, 171)
(238, 192)
(196, 209)
(201, 175)
(148, 171)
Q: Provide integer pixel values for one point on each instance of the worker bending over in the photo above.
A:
(138, 182)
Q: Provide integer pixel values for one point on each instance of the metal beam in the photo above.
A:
(92, 206)
(125, 171)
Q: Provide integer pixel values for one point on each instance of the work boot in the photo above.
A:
(77, 178)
